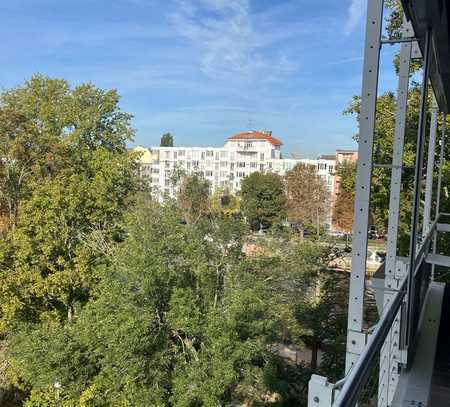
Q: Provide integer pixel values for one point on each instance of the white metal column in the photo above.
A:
(397, 159)
(439, 185)
(356, 339)
(389, 357)
(430, 168)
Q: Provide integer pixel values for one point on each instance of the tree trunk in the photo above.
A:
(318, 223)
(314, 355)
(70, 312)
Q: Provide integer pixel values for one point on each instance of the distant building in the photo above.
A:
(145, 162)
(224, 167)
(342, 156)
(346, 155)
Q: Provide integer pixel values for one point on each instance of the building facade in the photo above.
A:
(223, 167)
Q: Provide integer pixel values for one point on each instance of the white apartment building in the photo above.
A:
(242, 154)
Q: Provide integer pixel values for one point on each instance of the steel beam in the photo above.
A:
(397, 159)
(389, 353)
(417, 190)
(430, 168)
(439, 185)
(355, 339)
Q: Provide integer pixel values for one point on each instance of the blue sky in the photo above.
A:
(203, 69)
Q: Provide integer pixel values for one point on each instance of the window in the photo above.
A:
(224, 154)
(155, 170)
(175, 155)
(241, 164)
(253, 165)
(232, 166)
(210, 153)
(167, 154)
(261, 156)
(223, 174)
(223, 164)
(217, 157)
(209, 173)
(203, 155)
(181, 153)
(166, 164)
(261, 167)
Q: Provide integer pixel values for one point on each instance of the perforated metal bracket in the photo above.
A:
(320, 392)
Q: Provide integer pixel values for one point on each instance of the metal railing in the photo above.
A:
(354, 383)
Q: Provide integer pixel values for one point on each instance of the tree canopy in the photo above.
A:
(307, 197)
(166, 140)
(194, 198)
(108, 298)
(263, 200)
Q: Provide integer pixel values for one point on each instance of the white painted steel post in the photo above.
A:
(356, 339)
(397, 159)
(416, 197)
(439, 185)
(430, 168)
(389, 353)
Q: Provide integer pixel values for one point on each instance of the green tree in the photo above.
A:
(156, 332)
(66, 180)
(311, 299)
(323, 318)
(345, 198)
(307, 197)
(263, 200)
(194, 198)
(225, 202)
(383, 147)
(166, 140)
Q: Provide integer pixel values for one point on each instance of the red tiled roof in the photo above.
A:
(256, 135)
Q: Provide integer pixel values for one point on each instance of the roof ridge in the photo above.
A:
(256, 135)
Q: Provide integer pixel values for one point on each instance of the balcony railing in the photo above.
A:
(356, 388)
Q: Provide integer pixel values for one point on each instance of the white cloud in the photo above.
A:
(354, 16)
(346, 61)
(229, 44)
